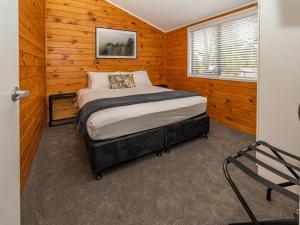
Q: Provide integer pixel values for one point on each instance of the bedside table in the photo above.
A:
(59, 97)
(161, 85)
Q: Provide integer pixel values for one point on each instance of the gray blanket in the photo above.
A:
(100, 104)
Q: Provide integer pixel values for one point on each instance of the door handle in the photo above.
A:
(17, 94)
(299, 111)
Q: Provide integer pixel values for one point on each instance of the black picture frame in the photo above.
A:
(104, 32)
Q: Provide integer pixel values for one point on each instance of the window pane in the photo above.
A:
(238, 48)
(228, 49)
(204, 51)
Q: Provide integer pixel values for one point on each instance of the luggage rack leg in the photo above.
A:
(285, 184)
(269, 190)
(239, 195)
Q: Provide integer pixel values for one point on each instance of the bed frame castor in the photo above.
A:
(98, 176)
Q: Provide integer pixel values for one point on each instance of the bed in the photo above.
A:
(133, 122)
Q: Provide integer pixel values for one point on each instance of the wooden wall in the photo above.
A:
(70, 46)
(70, 53)
(230, 102)
(32, 78)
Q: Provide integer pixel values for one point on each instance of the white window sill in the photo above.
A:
(213, 77)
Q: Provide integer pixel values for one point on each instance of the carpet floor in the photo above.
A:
(185, 187)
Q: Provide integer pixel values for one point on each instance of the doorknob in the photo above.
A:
(17, 94)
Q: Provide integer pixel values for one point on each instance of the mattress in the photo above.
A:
(124, 120)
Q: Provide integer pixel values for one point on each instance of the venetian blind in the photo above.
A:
(227, 48)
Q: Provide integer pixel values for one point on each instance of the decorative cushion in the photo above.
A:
(141, 78)
(128, 80)
(116, 81)
(121, 81)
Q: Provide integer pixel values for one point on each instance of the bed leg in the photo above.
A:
(98, 176)
(159, 154)
(205, 136)
(167, 150)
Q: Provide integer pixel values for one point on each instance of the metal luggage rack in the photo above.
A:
(291, 180)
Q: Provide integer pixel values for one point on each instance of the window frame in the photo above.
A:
(214, 22)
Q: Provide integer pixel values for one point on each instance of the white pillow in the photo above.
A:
(99, 79)
(141, 78)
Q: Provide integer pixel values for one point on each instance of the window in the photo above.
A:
(226, 48)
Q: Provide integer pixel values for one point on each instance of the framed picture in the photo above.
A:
(115, 44)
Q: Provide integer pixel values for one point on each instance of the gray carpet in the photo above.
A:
(185, 187)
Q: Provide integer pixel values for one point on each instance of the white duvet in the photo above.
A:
(119, 121)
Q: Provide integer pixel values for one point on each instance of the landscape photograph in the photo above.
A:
(115, 43)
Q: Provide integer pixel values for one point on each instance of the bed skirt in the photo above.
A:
(109, 153)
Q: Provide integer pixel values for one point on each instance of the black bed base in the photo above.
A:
(109, 153)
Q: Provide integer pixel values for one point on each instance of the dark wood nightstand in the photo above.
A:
(59, 97)
(161, 85)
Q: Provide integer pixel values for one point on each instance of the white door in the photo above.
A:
(9, 115)
(279, 82)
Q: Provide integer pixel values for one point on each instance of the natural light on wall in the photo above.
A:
(225, 48)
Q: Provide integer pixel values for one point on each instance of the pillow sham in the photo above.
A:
(98, 80)
(141, 78)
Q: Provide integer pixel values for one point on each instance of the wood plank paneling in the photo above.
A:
(70, 46)
(230, 102)
(32, 78)
(70, 53)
